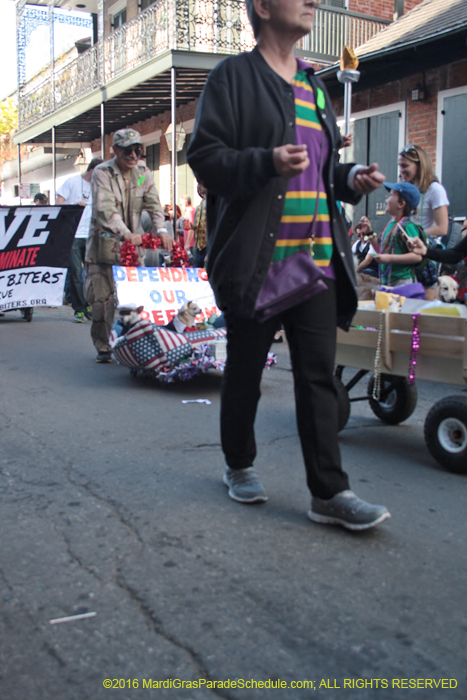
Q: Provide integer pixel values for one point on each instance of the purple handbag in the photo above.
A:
(294, 279)
(289, 282)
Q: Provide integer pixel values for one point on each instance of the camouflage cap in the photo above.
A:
(126, 137)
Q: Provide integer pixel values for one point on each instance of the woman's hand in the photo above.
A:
(368, 179)
(290, 160)
(415, 245)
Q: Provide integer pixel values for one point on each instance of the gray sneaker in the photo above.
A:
(348, 510)
(244, 485)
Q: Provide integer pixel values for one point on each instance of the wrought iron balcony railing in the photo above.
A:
(208, 26)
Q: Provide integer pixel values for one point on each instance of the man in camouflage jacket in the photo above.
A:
(122, 187)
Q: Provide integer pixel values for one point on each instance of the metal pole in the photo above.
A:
(173, 105)
(19, 172)
(347, 107)
(347, 77)
(51, 4)
(54, 166)
(100, 41)
(102, 132)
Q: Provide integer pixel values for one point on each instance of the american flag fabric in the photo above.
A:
(151, 347)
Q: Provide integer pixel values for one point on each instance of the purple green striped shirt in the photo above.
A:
(297, 218)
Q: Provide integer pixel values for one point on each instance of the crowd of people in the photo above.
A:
(418, 229)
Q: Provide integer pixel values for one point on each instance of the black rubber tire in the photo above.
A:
(446, 433)
(398, 404)
(27, 314)
(343, 404)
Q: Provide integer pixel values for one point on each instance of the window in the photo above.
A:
(145, 4)
(119, 19)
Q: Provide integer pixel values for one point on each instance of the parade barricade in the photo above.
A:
(429, 344)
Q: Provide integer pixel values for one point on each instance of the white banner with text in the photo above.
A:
(163, 290)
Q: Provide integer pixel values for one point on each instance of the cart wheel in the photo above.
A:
(397, 402)
(343, 404)
(27, 314)
(446, 433)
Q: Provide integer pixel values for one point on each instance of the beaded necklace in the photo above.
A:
(387, 239)
(387, 244)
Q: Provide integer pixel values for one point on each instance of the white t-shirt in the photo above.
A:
(358, 246)
(434, 198)
(75, 190)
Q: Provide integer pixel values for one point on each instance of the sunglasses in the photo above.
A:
(411, 152)
(130, 149)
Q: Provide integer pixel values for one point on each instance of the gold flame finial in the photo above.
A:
(349, 60)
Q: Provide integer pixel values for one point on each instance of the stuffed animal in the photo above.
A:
(129, 314)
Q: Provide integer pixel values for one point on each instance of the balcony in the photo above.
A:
(335, 29)
(199, 26)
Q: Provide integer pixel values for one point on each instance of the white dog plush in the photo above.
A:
(447, 289)
(185, 317)
(129, 314)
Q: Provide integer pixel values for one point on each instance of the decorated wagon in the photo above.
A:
(396, 347)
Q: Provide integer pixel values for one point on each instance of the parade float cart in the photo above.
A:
(395, 347)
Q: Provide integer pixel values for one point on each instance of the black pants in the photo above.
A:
(75, 272)
(311, 333)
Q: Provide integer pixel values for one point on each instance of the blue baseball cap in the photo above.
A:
(409, 192)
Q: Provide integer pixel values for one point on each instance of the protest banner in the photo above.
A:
(163, 290)
(35, 244)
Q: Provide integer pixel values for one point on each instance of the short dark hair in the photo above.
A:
(40, 197)
(94, 162)
(407, 210)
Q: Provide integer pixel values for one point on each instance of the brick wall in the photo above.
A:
(376, 8)
(422, 117)
(380, 8)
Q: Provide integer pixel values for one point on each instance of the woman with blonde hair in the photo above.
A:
(415, 166)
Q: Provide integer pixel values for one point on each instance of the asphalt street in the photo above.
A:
(111, 501)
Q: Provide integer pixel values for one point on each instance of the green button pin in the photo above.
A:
(321, 100)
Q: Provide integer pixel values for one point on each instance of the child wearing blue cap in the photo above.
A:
(395, 262)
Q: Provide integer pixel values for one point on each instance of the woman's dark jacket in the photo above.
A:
(450, 256)
(245, 111)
